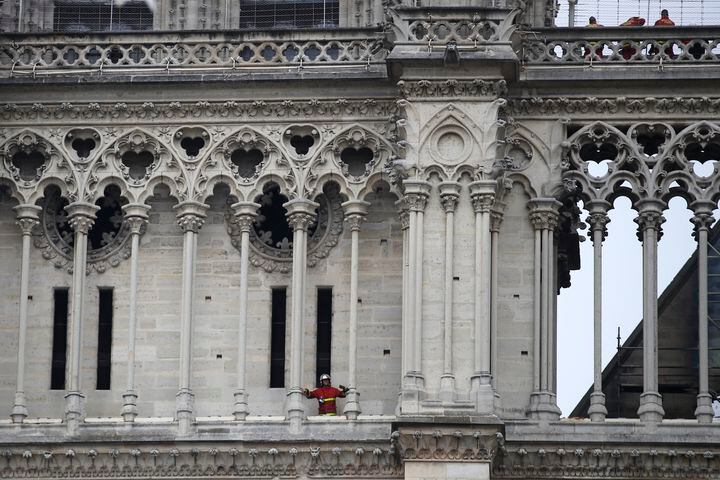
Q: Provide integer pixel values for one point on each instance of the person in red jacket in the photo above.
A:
(326, 395)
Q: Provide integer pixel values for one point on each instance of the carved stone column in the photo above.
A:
(598, 220)
(416, 197)
(300, 214)
(28, 216)
(136, 216)
(449, 195)
(355, 214)
(482, 194)
(703, 220)
(650, 220)
(81, 216)
(544, 218)
(406, 334)
(190, 218)
(245, 214)
(496, 218)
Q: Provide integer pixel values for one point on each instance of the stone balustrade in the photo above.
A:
(621, 45)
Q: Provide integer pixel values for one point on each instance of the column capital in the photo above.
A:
(27, 216)
(598, 216)
(449, 195)
(703, 217)
(136, 216)
(300, 213)
(355, 213)
(245, 214)
(81, 216)
(191, 215)
(544, 213)
(650, 217)
(416, 194)
(496, 217)
(482, 194)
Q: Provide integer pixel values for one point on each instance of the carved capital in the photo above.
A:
(81, 216)
(301, 213)
(496, 219)
(416, 195)
(355, 213)
(245, 214)
(598, 218)
(482, 195)
(649, 217)
(28, 216)
(191, 216)
(449, 196)
(544, 213)
(703, 218)
(136, 217)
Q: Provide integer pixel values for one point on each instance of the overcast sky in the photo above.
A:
(614, 12)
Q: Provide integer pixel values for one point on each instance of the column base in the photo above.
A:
(74, 410)
(704, 411)
(412, 394)
(129, 410)
(185, 411)
(447, 388)
(543, 406)
(481, 393)
(597, 410)
(295, 407)
(240, 410)
(19, 411)
(352, 404)
(651, 409)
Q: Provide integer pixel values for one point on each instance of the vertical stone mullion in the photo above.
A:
(649, 222)
(404, 226)
(190, 217)
(81, 217)
(496, 218)
(300, 214)
(136, 217)
(245, 214)
(27, 218)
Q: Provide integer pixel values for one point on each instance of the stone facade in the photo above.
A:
(430, 170)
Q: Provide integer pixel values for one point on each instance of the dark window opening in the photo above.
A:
(59, 342)
(105, 321)
(278, 14)
(73, 16)
(277, 337)
(324, 332)
(108, 219)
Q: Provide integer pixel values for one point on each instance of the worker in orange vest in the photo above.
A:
(627, 51)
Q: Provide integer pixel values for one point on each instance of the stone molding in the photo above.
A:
(201, 109)
(452, 88)
(164, 461)
(447, 443)
(523, 106)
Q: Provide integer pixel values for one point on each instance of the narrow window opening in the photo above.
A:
(277, 338)
(324, 332)
(59, 342)
(105, 321)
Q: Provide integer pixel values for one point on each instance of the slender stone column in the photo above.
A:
(404, 215)
(482, 194)
(544, 218)
(449, 195)
(598, 220)
(416, 196)
(355, 214)
(703, 220)
(300, 214)
(649, 222)
(81, 217)
(190, 218)
(245, 214)
(27, 218)
(136, 216)
(496, 218)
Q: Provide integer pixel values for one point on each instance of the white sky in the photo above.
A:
(613, 12)
(622, 293)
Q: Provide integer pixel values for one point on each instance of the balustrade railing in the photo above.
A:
(37, 53)
(621, 45)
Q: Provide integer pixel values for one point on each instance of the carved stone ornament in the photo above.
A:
(26, 157)
(366, 460)
(447, 443)
(246, 154)
(453, 88)
(108, 235)
(356, 152)
(275, 254)
(613, 105)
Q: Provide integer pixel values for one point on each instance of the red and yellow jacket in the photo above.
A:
(326, 399)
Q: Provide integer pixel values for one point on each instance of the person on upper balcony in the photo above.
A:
(664, 20)
(627, 51)
(592, 23)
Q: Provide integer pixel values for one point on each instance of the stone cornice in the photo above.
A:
(529, 106)
(195, 110)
